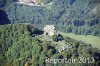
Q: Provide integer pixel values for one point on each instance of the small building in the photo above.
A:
(49, 30)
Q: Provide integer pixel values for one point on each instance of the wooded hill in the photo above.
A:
(24, 45)
(71, 16)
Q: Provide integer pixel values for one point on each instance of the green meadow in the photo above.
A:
(93, 40)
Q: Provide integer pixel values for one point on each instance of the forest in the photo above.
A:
(71, 16)
(25, 45)
(22, 40)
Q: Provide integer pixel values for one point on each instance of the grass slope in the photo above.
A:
(93, 40)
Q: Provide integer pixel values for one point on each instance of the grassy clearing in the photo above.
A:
(93, 40)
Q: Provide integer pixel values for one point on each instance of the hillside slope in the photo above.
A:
(24, 45)
(71, 16)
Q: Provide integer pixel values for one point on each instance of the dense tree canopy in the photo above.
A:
(19, 48)
(21, 44)
(71, 16)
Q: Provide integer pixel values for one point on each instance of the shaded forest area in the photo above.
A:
(4, 18)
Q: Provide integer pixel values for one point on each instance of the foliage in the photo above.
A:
(71, 16)
(19, 48)
(57, 37)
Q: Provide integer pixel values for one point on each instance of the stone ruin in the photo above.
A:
(49, 30)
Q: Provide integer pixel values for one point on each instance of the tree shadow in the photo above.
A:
(4, 18)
